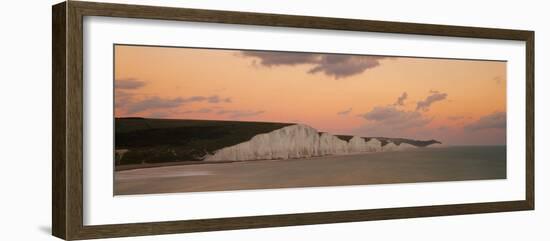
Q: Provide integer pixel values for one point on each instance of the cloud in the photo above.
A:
(122, 98)
(389, 116)
(435, 96)
(401, 99)
(496, 120)
(239, 113)
(268, 58)
(345, 112)
(128, 84)
(334, 65)
(217, 99)
(200, 111)
(455, 117)
(390, 121)
(209, 99)
(443, 128)
(159, 114)
(341, 66)
(156, 102)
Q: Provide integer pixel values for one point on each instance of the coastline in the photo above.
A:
(414, 166)
(188, 163)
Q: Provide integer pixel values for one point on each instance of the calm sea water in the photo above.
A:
(456, 163)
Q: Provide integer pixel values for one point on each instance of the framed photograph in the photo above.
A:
(171, 120)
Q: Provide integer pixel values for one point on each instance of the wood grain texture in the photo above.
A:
(530, 120)
(58, 121)
(279, 20)
(155, 228)
(67, 78)
(75, 125)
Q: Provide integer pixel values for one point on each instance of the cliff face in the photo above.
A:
(300, 141)
(294, 141)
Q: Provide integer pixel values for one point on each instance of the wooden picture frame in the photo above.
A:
(67, 77)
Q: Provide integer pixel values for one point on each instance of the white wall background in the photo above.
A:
(25, 120)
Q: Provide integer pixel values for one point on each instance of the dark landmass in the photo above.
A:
(140, 140)
(398, 141)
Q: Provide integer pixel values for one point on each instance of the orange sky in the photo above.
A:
(455, 101)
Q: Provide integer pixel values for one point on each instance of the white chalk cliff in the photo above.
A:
(299, 141)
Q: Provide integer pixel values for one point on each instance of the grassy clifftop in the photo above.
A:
(168, 140)
(397, 141)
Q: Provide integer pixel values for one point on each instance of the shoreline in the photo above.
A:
(190, 163)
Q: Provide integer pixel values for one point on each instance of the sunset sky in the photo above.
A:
(459, 102)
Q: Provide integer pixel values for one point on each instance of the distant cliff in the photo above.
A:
(302, 141)
(145, 142)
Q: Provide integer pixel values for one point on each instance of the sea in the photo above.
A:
(431, 164)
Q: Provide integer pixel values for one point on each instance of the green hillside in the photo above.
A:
(140, 140)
